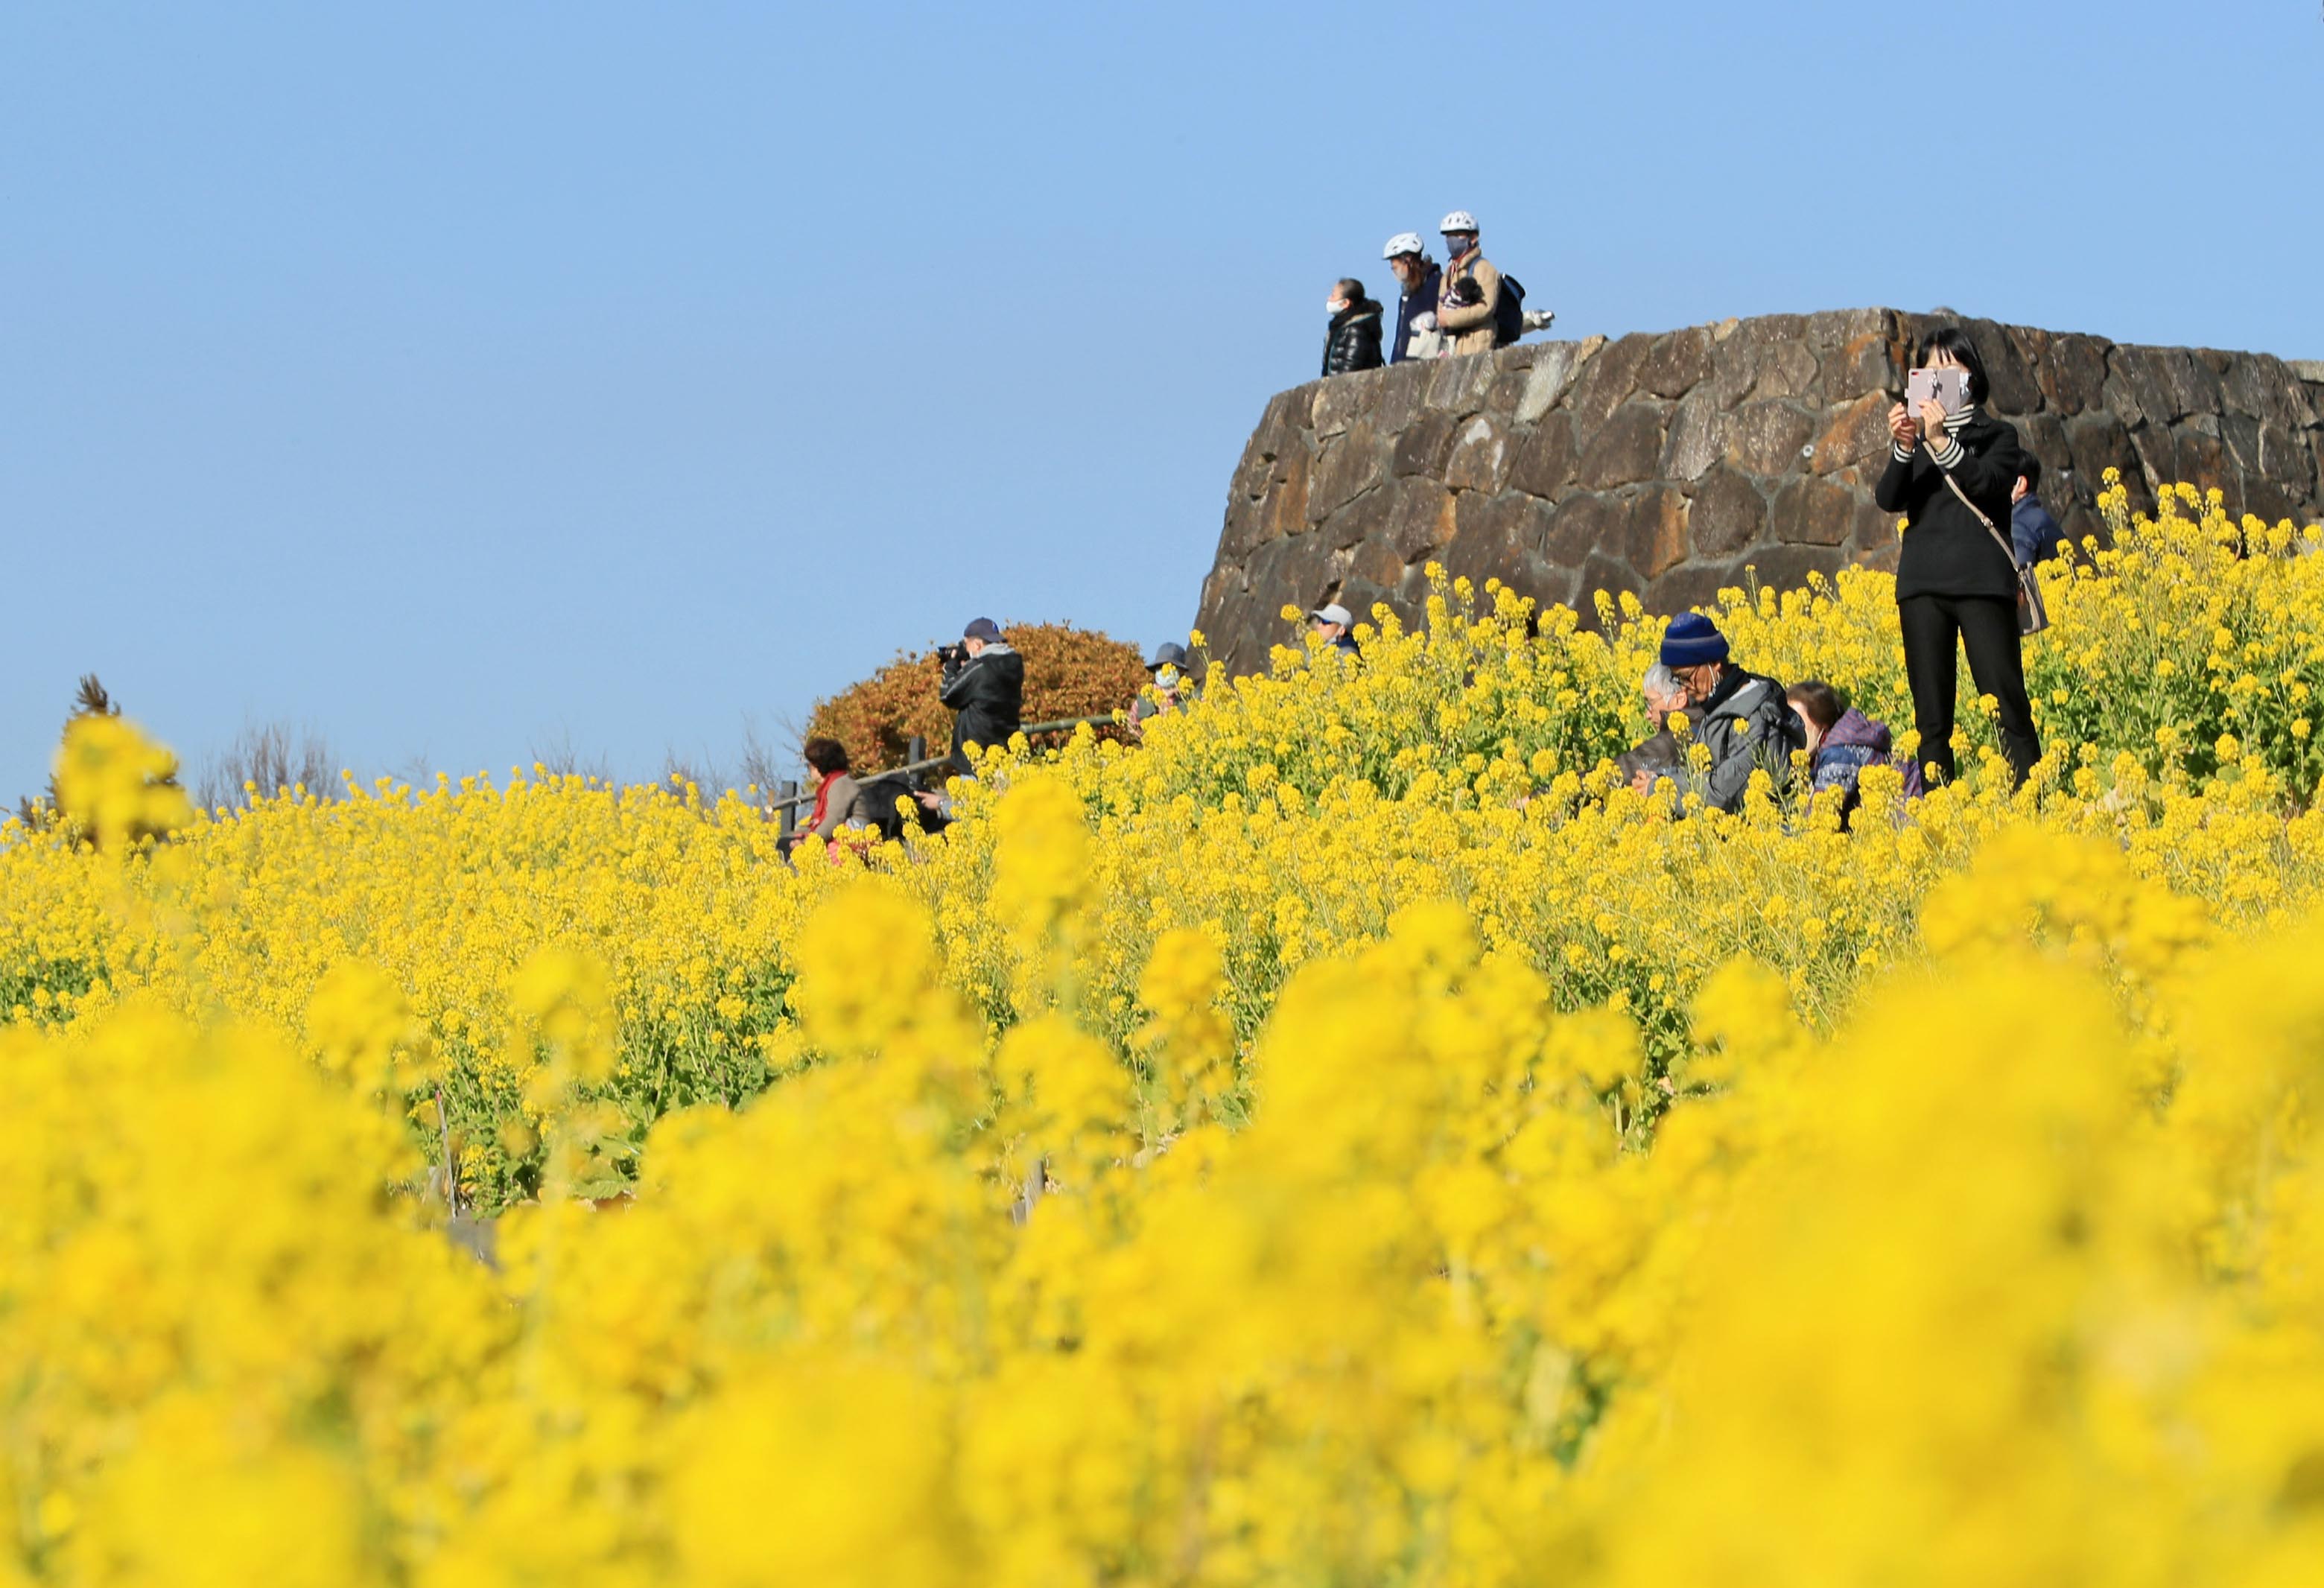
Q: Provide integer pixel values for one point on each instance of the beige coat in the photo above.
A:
(1471, 328)
(840, 808)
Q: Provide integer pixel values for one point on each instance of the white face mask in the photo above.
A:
(1333, 307)
(1165, 677)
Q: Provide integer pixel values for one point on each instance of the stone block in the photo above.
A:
(1339, 400)
(2241, 433)
(1812, 512)
(1489, 545)
(1480, 455)
(1698, 437)
(1626, 449)
(1734, 365)
(1403, 392)
(2194, 380)
(1788, 568)
(1284, 511)
(1365, 517)
(1656, 534)
(1421, 520)
(1505, 391)
(1609, 576)
(1607, 380)
(2013, 389)
(2158, 456)
(1583, 524)
(2204, 464)
(1424, 447)
(1728, 515)
(1689, 586)
(1882, 560)
(1861, 364)
(1786, 369)
(1675, 363)
(1853, 433)
(2070, 370)
(2285, 459)
(2266, 390)
(2146, 370)
(1352, 464)
(1376, 562)
(2044, 436)
(2096, 442)
(1456, 385)
(1552, 373)
(1541, 460)
(1768, 438)
(1831, 327)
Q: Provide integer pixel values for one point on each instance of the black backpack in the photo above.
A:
(877, 798)
(1509, 315)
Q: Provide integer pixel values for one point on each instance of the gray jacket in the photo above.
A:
(1746, 724)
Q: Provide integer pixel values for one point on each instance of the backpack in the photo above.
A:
(1509, 315)
(876, 800)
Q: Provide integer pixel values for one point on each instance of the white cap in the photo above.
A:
(1460, 220)
(1334, 614)
(1403, 243)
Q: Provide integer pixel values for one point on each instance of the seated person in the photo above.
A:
(1740, 717)
(1168, 669)
(836, 796)
(1659, 753)
(1842, 741)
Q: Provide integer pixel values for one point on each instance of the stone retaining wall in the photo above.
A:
(1670, 465)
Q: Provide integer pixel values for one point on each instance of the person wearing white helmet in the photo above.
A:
(1417, 275)
(1469, 325)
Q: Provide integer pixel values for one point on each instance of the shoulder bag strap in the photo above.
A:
(1999, 538)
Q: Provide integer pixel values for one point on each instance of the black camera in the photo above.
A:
(952, 655)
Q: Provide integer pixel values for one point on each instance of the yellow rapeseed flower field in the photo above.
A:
(1343, 1140)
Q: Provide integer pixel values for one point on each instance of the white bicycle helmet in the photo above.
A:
(1460, 220)
(1403, 243)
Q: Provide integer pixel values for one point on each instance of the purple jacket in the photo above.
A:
(1855, 742)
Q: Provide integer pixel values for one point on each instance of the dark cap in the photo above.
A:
(1169, 653)
(981, 628)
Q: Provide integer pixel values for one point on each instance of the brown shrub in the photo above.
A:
(1069, 672)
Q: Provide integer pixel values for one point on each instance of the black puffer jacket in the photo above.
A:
(987, 695)
(1353, 341)
(1947, 552)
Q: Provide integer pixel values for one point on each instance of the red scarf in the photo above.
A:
(822, 793)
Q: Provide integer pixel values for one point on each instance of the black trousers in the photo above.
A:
(1937, 629)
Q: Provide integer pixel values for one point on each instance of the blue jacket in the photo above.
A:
(1421, 299)
(2033, 532)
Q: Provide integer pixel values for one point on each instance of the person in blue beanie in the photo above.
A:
(1740, 717)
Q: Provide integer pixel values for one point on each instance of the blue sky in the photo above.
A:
(468, 380)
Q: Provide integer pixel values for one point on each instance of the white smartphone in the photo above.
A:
(1947, 388)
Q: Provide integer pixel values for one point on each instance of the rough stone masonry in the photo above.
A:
(1678, 464)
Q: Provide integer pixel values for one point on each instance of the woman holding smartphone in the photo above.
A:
(1950, 470)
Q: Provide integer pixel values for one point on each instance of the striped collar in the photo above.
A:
(1957, 422)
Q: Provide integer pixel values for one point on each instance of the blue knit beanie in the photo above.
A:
(1692, 640)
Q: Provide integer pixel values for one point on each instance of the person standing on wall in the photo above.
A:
(1353, 341)
(1472, 327)
(1419, 282)
(1950, 471)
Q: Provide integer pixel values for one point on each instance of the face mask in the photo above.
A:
(1456, 247)
(1333, 307)
(1166, 678)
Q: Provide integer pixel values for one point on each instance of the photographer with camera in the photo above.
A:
(984, 685)
(1950, 470)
